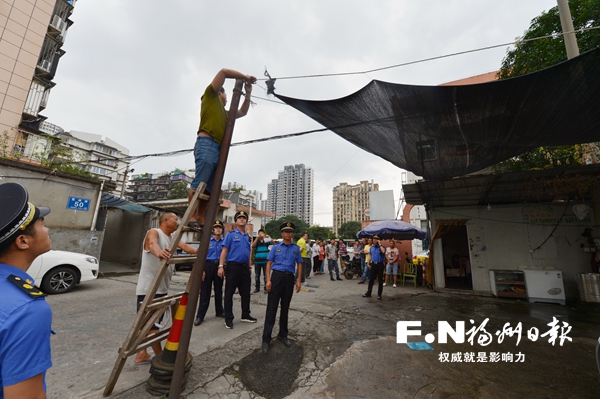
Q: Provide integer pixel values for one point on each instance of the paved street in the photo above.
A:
(343, 346)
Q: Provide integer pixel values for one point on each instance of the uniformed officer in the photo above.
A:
(211, 277)
(25, 316)
(377, 252)
(282, 261)
(236, 252)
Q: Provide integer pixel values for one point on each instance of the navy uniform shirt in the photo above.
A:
(238, 246)
(214, 249)
(285, 257)
(376, 255)
(25, 328)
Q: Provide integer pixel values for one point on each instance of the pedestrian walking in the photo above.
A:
(332, 256)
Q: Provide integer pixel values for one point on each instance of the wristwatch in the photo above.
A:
(220, 266)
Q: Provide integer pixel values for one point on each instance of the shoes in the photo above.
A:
(265, 347)
(220, 315)
(339, 279)
(384, 284)
(308, 277)
(229, 324)
(394, 285)
(257, 290)
(332, 279)
(361, 282)
(249, 319)
(378, 297)
(304, 283)
(366, 295)
(195, 226)
(197, 321)
(266, 292)
(285, 341)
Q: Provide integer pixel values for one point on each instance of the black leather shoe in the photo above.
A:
(197, 321)
(339, 279)
(265, 347)
(257, 290)
(366, 295)
(285, 341)
(220, 315)
(379, 298)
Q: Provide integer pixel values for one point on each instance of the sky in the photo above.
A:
(135, 74)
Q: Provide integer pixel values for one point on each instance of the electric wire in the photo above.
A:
(552, 35)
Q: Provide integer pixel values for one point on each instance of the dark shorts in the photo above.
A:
(140, 299)
(206, 155)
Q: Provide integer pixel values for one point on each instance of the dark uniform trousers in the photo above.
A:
(376, 271)
(282, 288)
(212, 278)
(237, 276)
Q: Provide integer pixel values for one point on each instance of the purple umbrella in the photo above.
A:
(397, 229)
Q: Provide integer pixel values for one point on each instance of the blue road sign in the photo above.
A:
(79, 204)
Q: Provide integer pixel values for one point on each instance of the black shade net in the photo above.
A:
(444, 131)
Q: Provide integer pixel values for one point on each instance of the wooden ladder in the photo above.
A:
(152, 308)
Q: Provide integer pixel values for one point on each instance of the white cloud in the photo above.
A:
(135, 73)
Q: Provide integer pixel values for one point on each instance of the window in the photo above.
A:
(426, 150)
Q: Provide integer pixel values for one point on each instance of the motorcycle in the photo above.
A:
(352, 268)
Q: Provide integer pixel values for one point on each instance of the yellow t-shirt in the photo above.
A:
(302, 244)
(213, 117)
(368, 253)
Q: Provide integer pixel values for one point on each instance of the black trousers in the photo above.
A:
(237, 276)
(316, 264)
(212, 279)
(260, 268)
(282, 289)
(376, 271)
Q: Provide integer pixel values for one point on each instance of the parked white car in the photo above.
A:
(57, 272)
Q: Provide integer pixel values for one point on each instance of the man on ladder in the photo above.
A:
(213, 120)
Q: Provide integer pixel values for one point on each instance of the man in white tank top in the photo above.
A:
(157, 244)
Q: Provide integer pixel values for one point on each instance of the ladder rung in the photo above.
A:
(175, 260)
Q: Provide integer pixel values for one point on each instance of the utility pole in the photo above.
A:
(567, 27)
(125, 181)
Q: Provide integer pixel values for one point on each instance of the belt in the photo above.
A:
(212, 261)
(236, 264)
(286, 273)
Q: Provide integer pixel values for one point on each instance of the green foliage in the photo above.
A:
(236, 189)
(531, 56)
(349, 229)
(272, 228)
(48, 151)
(179, 190)
(534, 55)
(541, 158)
(320, 233)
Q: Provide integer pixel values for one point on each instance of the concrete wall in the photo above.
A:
(508, 237)
(69, 229)
(124, 235)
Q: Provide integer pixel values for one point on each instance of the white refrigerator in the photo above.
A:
(545, 285)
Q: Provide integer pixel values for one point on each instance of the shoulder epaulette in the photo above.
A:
(26, 285)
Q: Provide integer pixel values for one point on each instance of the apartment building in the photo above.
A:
(292, 193)
(150, 187)
(32, 33)
(351, 202)
(99, 155)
